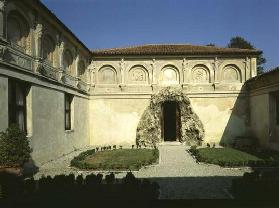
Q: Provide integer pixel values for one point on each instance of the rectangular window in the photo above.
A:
(17, 103)
(68, 111)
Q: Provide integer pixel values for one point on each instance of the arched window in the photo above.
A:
(81, 70)
(169, 75)
(68, 61)
(231, 73)
(107, 75)
(18, 31)
(48, 49)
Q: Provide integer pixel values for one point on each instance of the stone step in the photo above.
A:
(170, 144)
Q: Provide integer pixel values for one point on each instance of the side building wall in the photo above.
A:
(45, 117)
(49, 138)
(264, 107)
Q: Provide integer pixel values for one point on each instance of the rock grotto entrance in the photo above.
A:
(170, 121)
(169, 106)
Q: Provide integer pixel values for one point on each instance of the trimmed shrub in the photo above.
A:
(14, 147)
(144, 157)
(229, 157)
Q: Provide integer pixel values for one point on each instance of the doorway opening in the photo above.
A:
(170, 121)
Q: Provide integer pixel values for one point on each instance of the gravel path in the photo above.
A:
(177, 173)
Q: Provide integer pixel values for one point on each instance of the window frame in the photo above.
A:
(68, 100)
(14, 108)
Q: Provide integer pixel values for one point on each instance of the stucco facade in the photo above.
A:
(111, 89)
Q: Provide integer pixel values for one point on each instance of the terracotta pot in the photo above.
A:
(16, 170)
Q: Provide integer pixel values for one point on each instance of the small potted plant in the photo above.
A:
(14, 150)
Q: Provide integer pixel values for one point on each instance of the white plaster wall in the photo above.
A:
(259, 107)
(3, 103)
(114, 121)
(49, 139)
(224, 118)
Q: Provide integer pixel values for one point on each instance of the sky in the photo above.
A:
(119, 23)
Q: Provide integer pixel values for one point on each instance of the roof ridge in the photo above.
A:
(169, 44)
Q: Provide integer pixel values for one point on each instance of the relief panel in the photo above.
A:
(200, 75)
(137, 75)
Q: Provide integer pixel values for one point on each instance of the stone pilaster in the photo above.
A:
(253, 67)
(61, 58)
(76, 72)
(153, 81)
(38, 48)
(92, 73)
(38, 40)
(61, 53)
(152, 77)
(122, 69)
(185, 71)
(247, 72)
(3, 21)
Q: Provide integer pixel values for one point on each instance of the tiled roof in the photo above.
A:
(269, 72)
(172, 49)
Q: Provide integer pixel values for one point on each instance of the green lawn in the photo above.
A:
(119, 159)
(230, 157)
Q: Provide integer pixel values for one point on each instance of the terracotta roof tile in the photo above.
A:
(172, 49)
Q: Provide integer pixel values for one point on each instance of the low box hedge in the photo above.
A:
(117, 159)
(229, 157)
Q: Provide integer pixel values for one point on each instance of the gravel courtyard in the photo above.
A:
(177, 173)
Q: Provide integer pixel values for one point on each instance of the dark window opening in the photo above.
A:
(17, 104)
(277, 108)
(170, 121)
(68, 109)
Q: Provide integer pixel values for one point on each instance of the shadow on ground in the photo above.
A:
(213, 187)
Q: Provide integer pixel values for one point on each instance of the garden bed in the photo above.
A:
(229, 157)
(118, 159)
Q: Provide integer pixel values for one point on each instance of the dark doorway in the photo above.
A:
(170, 121)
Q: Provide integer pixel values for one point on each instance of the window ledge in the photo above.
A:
(69, 131)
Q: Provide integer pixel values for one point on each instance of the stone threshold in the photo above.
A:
(174, 143)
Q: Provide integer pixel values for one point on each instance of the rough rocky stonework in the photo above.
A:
(149, 127)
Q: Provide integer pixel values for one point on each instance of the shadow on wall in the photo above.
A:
(238, 126)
